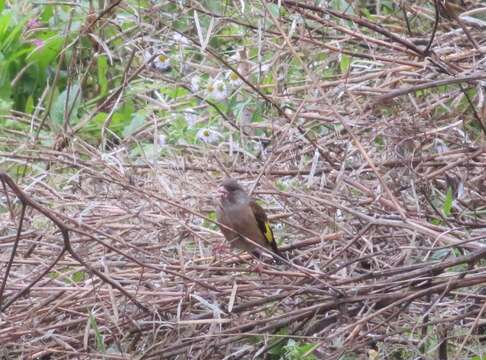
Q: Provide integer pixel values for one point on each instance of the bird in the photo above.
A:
(241, 218)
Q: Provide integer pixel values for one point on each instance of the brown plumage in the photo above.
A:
(243, 218)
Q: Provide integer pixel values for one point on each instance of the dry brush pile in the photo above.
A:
(373, 178)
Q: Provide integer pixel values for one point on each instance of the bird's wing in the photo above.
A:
(264, 225)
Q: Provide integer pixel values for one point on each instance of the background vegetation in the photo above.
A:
(359, 125)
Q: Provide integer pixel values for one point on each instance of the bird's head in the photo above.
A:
(230, 189)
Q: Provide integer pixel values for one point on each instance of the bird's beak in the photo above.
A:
(222, 192)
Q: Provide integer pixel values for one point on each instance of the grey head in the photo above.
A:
(232, 193)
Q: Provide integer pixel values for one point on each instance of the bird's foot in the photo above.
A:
(220, 248)
(257, 268)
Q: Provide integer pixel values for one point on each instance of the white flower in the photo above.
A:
(191, 117)
(266, 67)
(195, 83)
(146, 55)
(196, 220)
(233, 79)
(236, 57)
(217, 90)
(180, 39)
(161, 62)
(245, 116)
(162, 140)
(208, 136)
(440, 146)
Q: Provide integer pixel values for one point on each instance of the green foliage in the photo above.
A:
(299, 351)
(440, 254)
(12, 54)
(267, 80)
(180, 132)
(366, 13)
(122, 118)
(44, 55)
(47, 13)
(345, 63)
(458, 268)
(282, 186)
(436, 221)
(5, 106)
(174, 92)
(137, 121)
(53, 274)
(401, 353)
(100, 341)
(75, 278)
(146, 101)
(387, 7)
(122, 122)
(447, 207)
(292, 350)
(341, 5)
(210, 224)
(275, 10)
(79, 277)
(102, 79)
(283, 348)
(29, 105)
(66, 105)
(464, 103)
(379, 140)
(25, 55)
(93, 128)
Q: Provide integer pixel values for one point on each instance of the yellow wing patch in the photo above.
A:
(268, 233)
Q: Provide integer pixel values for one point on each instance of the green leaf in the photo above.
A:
(299, 351)
(440, 254)
(14, 34)
(100, 343)
(150, 151)
(60, 111)
(4, 24)
(178, 130)
(102, 70)
(274, 9)
(366, 13)
(78, 276)
(47, 13)
(436, 222)
(136, 122)
(29, 105)
(345, 63)
(2, 5)
(121, 119)
(379, 140)
(5, 106)
(387, 7)
(174, 93)
(49, 51)
(447, 207)
(342, 5)
(118, 122)
(94, 126)
(3, 209)
(53, 274)
(209, 224)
